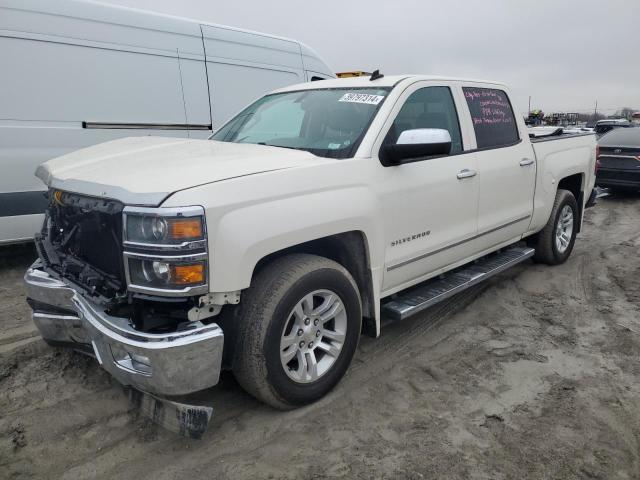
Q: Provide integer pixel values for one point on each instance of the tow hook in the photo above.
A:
(190, 421)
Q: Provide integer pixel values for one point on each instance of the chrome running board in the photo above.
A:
(418, 298)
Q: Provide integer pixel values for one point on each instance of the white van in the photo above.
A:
(76, 73)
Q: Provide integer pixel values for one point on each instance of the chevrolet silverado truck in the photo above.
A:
(308, 218)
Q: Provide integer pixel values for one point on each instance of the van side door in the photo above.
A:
(506, 166)
(429, 207)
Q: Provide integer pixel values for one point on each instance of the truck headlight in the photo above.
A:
(163, 228)
(165, 250)
(165, 273)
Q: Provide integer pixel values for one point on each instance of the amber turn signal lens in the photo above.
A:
(185, 228)
(187, 274)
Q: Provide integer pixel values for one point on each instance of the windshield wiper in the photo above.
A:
(279, 146)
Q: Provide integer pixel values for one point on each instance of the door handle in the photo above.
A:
(525, 162)
(466, 173)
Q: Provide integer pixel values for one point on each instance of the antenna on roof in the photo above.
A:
(376, 75)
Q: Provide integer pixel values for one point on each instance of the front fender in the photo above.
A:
(251, 217)
(245, 235)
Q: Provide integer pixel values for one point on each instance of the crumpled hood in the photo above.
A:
(145, 170)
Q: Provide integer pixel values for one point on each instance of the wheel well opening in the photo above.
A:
(350, 250)
(573, 183)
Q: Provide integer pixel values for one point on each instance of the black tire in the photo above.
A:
(263, 312)
(545, 242)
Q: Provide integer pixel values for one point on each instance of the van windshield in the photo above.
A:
(326, 122)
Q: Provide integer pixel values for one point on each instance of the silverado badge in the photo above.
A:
(410, 238)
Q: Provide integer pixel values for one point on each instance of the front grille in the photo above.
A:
(82, 240)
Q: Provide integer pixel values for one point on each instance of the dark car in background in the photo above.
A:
(604, 126)
(619, 159)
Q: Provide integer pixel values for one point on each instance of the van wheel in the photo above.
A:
(555, 242)
(299, 326)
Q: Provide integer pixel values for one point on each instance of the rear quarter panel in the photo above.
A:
(557, 159)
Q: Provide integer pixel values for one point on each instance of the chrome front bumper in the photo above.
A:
(165, 364)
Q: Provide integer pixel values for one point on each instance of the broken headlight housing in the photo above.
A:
(165, 250)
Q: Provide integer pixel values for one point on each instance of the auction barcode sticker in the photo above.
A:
(361, 98)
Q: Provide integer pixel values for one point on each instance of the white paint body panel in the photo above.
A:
(259, 200)
(557, 160)
(155, 167)
(409, 195)
(68, 62)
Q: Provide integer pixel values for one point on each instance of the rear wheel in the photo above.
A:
(299, 325)
(555, 242)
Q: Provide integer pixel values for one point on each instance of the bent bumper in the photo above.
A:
(174, 363)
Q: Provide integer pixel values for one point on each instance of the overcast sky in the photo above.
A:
(564, 54)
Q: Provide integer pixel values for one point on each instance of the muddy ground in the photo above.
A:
(534, 375)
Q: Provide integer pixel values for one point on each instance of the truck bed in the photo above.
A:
(571, 149)
(547, 137)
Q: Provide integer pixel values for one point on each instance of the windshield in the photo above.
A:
(326, 122)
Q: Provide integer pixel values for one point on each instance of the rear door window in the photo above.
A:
(493, 120)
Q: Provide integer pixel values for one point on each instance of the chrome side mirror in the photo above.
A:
(424, 136)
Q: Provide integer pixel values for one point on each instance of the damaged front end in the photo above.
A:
(81, 240)
(125, 298)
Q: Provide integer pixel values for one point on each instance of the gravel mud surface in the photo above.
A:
(534, 375)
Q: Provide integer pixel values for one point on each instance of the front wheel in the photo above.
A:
(555, 242)
(299, 325)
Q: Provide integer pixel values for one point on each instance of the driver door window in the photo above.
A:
(429, 107)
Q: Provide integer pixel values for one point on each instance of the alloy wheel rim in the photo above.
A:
(313, 336)
(564, 229)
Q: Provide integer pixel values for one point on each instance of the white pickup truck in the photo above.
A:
(312, 214)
